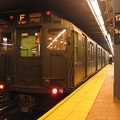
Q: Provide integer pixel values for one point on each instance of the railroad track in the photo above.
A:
(9, 110)
(3, 96)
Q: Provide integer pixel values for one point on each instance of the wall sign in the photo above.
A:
(117, 29)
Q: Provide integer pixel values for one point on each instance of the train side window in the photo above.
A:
(76, 47)
(56, 39)
(88, 47)
(30, 44)
(99, 54)
(6, 43)
(92, 51)
(80, 47)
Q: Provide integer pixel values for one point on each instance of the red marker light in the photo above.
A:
(48, 12)
(5, 26)
(11, 16)
(1, 86)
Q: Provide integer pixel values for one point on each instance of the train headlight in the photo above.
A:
(54, 91)
(2, 86)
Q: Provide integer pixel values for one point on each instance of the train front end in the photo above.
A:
(34, 59)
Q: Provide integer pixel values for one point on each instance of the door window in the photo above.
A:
(56, 39)
(30, 44)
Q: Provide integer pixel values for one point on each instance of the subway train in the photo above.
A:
(41, 53)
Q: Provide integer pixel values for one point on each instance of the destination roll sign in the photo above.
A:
(29, 18)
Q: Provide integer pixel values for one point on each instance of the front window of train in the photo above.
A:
(56, 39)
(6, 43)
(30, 44)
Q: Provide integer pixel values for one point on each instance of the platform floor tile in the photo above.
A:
(79, 103)
(104, 107)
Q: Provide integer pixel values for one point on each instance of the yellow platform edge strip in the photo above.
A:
(43, 117)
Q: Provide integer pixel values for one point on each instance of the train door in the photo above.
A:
(54, 55)
(79, 58)
(98, 54)
(6, 56)
(28, 57)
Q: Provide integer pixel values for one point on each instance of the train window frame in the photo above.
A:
(91, 51)
(88, 50)
(33, 51)
(99, 53)
(80, 47)
(94, 49)
(56, 39)
(6, 42)
(75, 47)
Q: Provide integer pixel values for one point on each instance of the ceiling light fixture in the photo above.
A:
(94, 6)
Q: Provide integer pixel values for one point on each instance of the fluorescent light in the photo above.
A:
(104, 29)
(100, 19)
(94, 6)
(96, 11)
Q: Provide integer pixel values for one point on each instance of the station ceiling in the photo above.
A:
(76, 11)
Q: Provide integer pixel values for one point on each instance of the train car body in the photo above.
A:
(42, 53)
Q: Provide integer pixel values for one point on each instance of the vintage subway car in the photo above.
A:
(42, 53)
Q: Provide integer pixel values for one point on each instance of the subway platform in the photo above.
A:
(94, 100)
